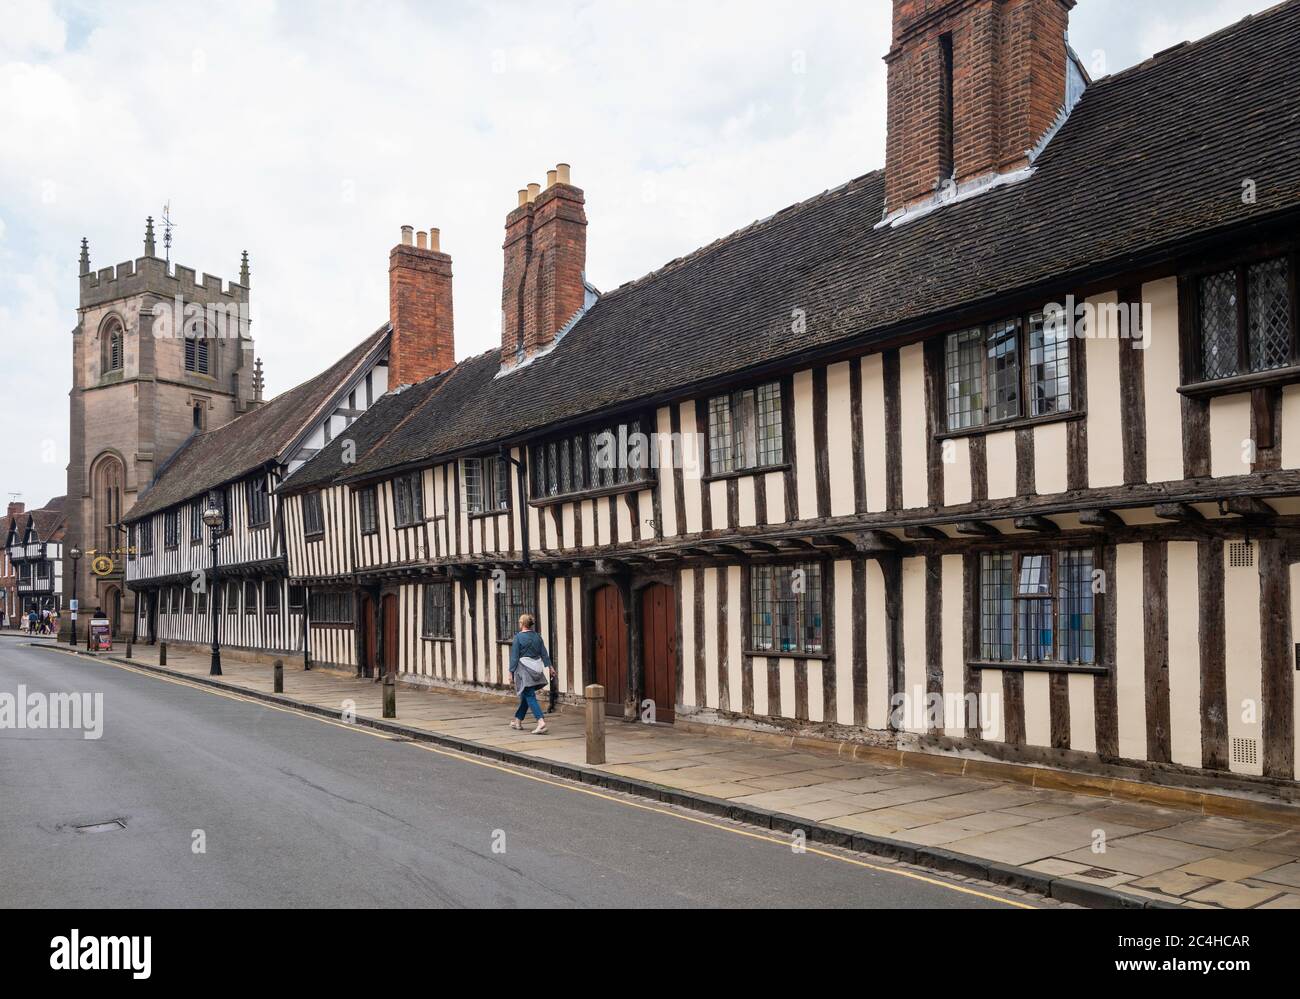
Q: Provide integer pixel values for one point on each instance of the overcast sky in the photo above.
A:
(308, 133)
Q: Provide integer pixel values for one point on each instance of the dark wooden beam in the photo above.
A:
(759, 547)
(1041, 525)
(875, 541)
(1178, 511)
(793, 545)
(1101, 518)
(1248, 506)
(924, 534)
(978, 528)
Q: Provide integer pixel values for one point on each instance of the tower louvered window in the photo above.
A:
(196, 352)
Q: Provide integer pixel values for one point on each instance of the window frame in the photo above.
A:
(1024, 323)
(1053, 596)
(368, 495)
(194, 340)
(253, 589)
(756, 568)
(313, 502)
(330, 608)
(567, 459)
(196, 523)
(507, 611)
(259, 513)
(503, 503)
(408, 485)
(446, 631)
(145, 537)
(782, 411)
(172, 529)
(1192, 340)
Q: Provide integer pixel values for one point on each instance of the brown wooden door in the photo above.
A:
(391, 625)
(611, 648)
(369, 637)
(659, 649)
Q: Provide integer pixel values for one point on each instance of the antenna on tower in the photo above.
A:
(167, 231)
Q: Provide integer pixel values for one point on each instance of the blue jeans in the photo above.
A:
(528, 699)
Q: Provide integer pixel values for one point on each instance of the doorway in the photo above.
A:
(392, 653)
(659, 650)
(610, 647)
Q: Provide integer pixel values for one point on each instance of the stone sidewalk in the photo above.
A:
(1151, 854)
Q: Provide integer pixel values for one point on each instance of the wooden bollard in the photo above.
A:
(162, 653)
(595, 723)
(279, 676)
(128, 650)
(390, 695)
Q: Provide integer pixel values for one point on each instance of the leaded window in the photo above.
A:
(368, 509)
(408, 499)
(259, 502)
(1018, 367)
(313, 518)
(436, 622)
(271, 598)
(331, 607)
(606, 457)
(251, 588)
(1246, 320)
(514, 599)
(487, 484)
(745, 429)
(1038, 606)
(785, 608)
(172, 528)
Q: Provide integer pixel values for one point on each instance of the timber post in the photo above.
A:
(162, 653)
(128, 648)
(595, 723)
(390, 695)
(279, 677)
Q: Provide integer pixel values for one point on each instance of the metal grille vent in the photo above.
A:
(1241, 554)
(1245, 752)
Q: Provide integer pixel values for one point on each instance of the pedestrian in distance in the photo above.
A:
(530, 668)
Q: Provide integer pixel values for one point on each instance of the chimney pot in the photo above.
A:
(533, 191)
(435, 240)
(406, 234)
(421, 240)
(523, 197)
(562, 173)
(550, 178)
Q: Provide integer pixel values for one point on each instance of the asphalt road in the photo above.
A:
(298, 811)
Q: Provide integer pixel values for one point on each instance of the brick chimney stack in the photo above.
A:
(973, 86)
(543, 284)
(420, 309)
(17, 510)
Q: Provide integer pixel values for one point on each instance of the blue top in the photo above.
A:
(530, 644)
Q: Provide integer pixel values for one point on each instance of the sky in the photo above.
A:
(309, 133)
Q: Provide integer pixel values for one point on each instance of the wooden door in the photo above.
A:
(368, 636)
(659, 650)
(391, 624)
(611, 647)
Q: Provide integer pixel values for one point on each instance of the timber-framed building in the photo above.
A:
(993, 452)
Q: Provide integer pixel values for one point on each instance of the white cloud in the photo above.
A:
(308, 135)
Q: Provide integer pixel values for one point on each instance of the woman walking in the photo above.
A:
(529, 666)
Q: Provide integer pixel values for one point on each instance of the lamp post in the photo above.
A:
(213, 518)
(75, 553)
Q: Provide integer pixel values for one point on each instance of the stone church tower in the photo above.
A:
(157, 356)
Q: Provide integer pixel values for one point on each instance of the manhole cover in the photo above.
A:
(112, 825)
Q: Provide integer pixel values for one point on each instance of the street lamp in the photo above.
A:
(213, 518)
(75, 554)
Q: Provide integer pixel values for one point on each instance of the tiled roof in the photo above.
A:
(1149, 158)
(253, 440)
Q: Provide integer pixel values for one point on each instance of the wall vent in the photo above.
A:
(1245, 752)
(1241, 554)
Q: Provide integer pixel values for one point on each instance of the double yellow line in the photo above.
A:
(566, 786)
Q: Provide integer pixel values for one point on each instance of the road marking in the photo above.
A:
(562, 785)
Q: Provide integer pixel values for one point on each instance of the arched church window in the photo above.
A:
(107, 478)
